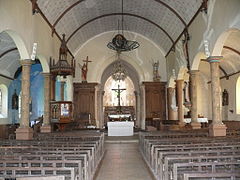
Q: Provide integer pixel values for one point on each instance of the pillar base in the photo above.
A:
(181, 124)
(196, 125)
(174, 127)
(24, 133)
(217, 130)
(46, 129)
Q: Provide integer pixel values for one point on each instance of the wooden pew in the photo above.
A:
(211, 176)
(169, 161)
(204, 167)
(13, 172)
(85, 149)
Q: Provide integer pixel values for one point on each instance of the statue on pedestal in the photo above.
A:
(84, 69)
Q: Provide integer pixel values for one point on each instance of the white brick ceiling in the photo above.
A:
(153, 10)
(9, 62)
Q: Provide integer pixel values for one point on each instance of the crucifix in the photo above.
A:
(84, 68)
(119, 91)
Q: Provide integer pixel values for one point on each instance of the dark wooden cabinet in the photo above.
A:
(155, 95)
(84, 101)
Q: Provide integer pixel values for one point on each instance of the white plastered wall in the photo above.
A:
(141, 58)
(16, 17)
(5, 82)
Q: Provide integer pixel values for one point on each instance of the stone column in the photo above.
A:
(46, 127)
(217, 128)
(138, 109)
(53, 87)
(24, 132)
(194, 112)
(97, 106)
(62, 90)
(143, 107)
(170, 94)
(179, 86)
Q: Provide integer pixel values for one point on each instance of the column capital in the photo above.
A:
(45, 74)
(192, 72)
(212, 59)
(26, 62)
(179, 80)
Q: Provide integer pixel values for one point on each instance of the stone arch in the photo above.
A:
(218, 46)
(44, 63)
(134, 76)
(19, 43)
(197, 60)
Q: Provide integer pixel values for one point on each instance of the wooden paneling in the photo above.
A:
(155, 100)
(84, 100)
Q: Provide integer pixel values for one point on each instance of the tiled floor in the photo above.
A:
(123, 161)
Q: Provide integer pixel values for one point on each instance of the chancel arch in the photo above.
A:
(133, 82)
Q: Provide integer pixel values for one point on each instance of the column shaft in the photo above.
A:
(217, 128)
(25, 99)
(24, 132)
(179, 86)
(46, 127)
(194, 111)
(170, 93)
(53, 87)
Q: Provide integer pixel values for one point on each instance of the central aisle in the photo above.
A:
(123, 161)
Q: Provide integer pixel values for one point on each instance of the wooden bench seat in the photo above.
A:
(169, 161)
(13, 172)
(204, 167)
(211, 176)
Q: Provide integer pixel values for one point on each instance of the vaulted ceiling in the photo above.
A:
(9, 56)
(162, 21)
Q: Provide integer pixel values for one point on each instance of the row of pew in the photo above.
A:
(56, 156)
(191, 155)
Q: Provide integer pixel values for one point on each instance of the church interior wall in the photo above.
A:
(230, 86)
(141, 58)
(36, 91)
(6, 82)
(31, 28)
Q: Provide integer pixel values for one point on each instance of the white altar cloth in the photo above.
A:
(188, 120)
(123, 128)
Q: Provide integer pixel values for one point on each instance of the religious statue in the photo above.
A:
(15, 100)
(225, 98)
(156, 76)
(84, 69)
(119, 91)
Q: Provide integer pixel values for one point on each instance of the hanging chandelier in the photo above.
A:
(120, 44)
(119, 72)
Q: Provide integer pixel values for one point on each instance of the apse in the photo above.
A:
(127, 96)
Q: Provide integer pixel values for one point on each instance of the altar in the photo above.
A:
(120, 128)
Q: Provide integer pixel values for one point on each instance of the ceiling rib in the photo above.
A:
(195, 15)
(114, 14)
(8, 51)
(76, 3)
(232, 49)
(7, 77)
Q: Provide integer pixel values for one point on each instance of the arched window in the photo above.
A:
(3, 101)
(238, 96)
